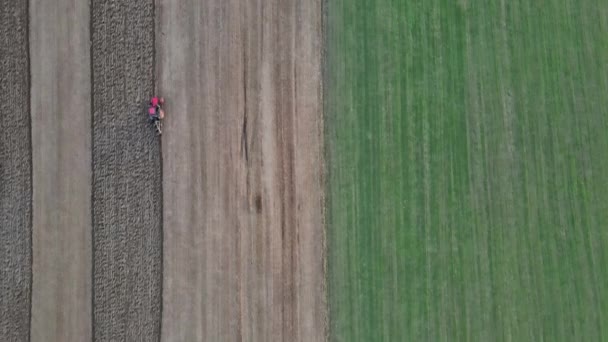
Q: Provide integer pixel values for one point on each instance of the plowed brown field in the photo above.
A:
(219, 237)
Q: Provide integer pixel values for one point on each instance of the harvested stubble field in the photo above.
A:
(468, 182)
(243, 217)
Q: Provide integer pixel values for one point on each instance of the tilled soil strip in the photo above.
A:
(127, 236)
(15, 173)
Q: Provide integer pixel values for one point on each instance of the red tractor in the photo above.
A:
(156, 113)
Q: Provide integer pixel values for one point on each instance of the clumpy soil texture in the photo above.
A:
(15, 173)
(242, 176)
(127, 212)
(468, 178)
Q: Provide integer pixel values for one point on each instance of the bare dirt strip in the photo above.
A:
(242, 170)
(15, 173)
(61, 147)
(127, 212)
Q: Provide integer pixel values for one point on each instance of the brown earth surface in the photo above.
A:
(242, 170)
(82, 211)
(126, 185)
(15, 173)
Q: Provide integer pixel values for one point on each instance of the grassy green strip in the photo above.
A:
(468, 175)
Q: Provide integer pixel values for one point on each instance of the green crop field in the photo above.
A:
(467, 148)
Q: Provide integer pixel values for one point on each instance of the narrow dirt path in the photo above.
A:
(15, 174)
(61, 147)
(242, 156)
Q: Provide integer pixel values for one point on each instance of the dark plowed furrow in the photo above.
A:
(15, 174)
(127, 233)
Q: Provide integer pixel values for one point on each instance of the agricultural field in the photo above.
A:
(345, 170)
(467, 170)
(212, 232)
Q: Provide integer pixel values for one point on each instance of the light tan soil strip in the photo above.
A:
(61, 147)
(242, 170)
